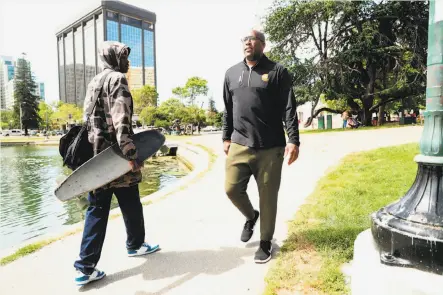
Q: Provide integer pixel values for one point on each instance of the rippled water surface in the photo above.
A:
(28, 177)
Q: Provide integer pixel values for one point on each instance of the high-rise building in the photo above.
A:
(2, 88)
(7, 73)
(41, 90)
(112, 21)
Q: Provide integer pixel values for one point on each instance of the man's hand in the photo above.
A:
(291, 150)
(226, 145)
(135, 166)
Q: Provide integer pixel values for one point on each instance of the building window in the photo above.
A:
(90, 52)
(132, 37)
(131, 21)
(112, 30)
(61, 69)
(100, 39)
(148, 26)
(149, 57)
(112, 15)
(79, 66)
(69, 68)
(11, 72)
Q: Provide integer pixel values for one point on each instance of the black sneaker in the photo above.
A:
(263, 253)
(248, 229)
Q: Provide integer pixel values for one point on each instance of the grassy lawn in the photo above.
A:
(322, 235)
(387, 125)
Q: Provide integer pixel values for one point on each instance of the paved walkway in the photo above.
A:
(198, 230)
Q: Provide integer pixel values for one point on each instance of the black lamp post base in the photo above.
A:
(409, 233)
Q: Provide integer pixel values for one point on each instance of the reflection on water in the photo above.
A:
(28, 207)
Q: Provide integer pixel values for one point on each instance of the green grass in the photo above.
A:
(321, 237)
(31, 248)
(387, 125)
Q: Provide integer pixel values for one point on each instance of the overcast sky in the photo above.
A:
(194, 37)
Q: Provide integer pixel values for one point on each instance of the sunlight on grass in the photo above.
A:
(321, 237)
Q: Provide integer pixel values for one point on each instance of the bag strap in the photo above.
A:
(97, 93)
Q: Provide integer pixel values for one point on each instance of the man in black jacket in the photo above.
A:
(258, 98)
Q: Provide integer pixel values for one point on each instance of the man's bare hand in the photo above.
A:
(291, 151)
(226, 145)
(135, 166)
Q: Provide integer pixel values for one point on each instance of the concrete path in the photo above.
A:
(198, 230)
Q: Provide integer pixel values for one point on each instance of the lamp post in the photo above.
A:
(409, 232)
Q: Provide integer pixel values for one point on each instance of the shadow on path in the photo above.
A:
(188, 264)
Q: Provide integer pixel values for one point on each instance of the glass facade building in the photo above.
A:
(77, 44)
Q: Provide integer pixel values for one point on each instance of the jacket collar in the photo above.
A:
(262, 59)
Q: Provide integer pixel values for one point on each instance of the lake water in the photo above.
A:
(28, 177)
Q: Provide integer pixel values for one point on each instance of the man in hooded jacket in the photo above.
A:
(111, 122)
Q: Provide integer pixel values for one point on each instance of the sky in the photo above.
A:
(194, 37)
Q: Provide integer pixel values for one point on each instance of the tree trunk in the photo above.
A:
(381, 115)
(368, 99)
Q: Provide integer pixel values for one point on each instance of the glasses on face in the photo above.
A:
(250, 38)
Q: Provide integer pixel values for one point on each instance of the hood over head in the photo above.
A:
(110, 52)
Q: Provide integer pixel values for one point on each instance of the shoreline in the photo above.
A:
(24, 143)
(197, 159)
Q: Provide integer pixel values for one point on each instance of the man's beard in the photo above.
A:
(124, 69)
(254, 57)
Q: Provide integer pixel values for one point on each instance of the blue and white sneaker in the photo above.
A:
(143, 250)
(82, 279)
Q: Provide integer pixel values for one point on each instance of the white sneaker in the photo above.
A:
(143, 250)
(82, 279)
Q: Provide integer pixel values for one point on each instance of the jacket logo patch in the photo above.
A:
(265, 77)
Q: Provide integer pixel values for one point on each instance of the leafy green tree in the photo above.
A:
(181, 92)
(66, 113)
(218, 122)
(211, 114)
(26, 102)
(211, 105)
(146, 96)
(365, 53)
(7, 119)
(194, 87)
(148, 115)
(45, 113)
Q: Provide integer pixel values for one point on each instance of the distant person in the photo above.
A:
(111, 122)
(258, 98)
(345, 117)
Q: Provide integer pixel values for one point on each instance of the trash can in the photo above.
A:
(328, 121)
(321, 122)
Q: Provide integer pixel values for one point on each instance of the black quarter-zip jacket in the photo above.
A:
(257, 102)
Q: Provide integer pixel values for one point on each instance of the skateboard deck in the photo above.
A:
(107, 166)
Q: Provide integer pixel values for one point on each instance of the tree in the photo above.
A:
(66, 113)
(218, 121)
(211, 114)
(7, 119)
(148, 115)
(26, 103)
(146, 96)
(211, 105)
(194, 87)
(364, 53)
(181, 92)
(172, 109)
(45, 113)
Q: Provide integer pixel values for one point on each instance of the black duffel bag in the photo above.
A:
(74, 146)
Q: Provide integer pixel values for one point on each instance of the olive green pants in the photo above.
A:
(266, 166)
